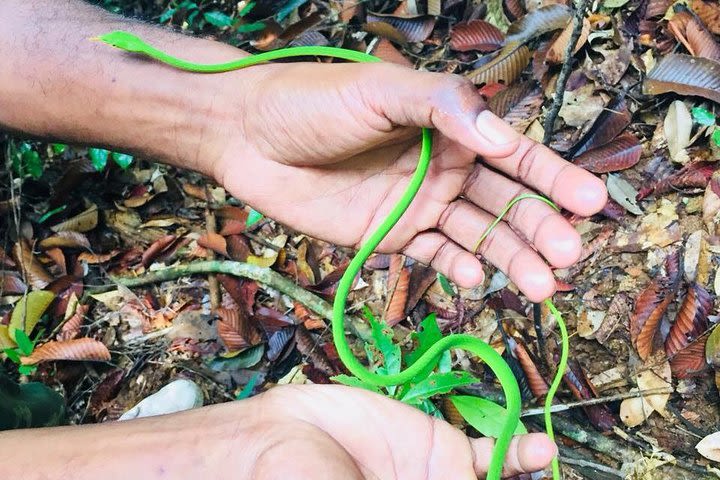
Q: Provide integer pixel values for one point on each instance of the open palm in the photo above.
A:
(336, 146)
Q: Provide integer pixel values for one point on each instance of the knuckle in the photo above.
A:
(527, 161)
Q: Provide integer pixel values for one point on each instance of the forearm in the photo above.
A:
(55, 83)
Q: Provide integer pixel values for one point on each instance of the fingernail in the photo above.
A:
(494, 129)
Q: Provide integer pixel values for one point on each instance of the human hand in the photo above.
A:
(329, 149)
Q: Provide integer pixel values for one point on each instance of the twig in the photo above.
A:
(569, 456)
(551, 116)
(211, 227)
(263, 275)
(594, 401)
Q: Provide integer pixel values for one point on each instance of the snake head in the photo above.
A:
(122, 40)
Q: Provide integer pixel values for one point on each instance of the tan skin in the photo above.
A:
(327, 150)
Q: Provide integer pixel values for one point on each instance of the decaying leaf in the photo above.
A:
(613, 120)
(84, 349)
(711, 203)
(540, 21)
(11, 284)
(692, 175)
(581, 106)
(82, 222)
(709, 447)
(236, 330)
(476, 35)
(505, 68)
(71, 327)
(519, 105)
(685, 75)
(623, 152)
(623, 193)
(385, 30)
(413, 29)
(214, 242)
(308, 346)
(156, 248)
(634, 411)
(692, 33)
(397, 288)
(32, 269)
(691, 320)
(386, 51)
(536, 382)
(614, 65)
(556, 52)
(690, 361)
(29, 310)
(709, 13)
(67, 239)
(678, 127)
(582, 389)
(649, 309)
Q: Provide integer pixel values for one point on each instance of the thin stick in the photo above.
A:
(551, 116)
(594, 401)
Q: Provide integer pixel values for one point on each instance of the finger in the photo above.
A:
(569, 186)
(449, 103)
(464, 223)
(543, 226)
(447, 257)
(527, 453)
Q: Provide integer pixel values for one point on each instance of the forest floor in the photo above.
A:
(638, 110)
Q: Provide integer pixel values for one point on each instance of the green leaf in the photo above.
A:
(251, 27)
(28, 310)
(288, 8)
(382, 334)
(253, 217)
(245, 359)
(438, 384)
(354, 382)
(12, 354)
(98, 158)
(30, 160)
(122, 160)
(58, 148)
(167, 15)
(430, 409)
(485, 416)
(445, 284)
(247, 9)
(27, 369)
(50, 213)
(247, 390)
(716, 137)
(25, 345)
(218, 19)
(428, 334)
(703, 117)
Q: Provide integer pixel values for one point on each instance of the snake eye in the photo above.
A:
(122, 40)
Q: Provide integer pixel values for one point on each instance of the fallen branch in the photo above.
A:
(551, 116)
(262, 275)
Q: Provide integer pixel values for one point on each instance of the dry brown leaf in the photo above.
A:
(82, 349)
(157, 247)
(536, 382)
(413, 29)
(65, 240)
(82, 222)
(691, 320)
(624, 152)
(505, 68)
(538, 22)
(397, 288)
(96, 258)
(32, 269)
(684, 75)
(556, 52)
(634, 411)
(476, 35)
(236, 330)
(214, 242)
(519, 105)
(386, 51)
(71, 327)
(11, 284)
(709, 13)
(613, 120)
(581, 106)
(690, 361)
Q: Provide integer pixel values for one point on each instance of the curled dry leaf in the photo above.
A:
(685, 75)
(556, 52)
(505, 68)
(32, 269)
(214, 242)
(582, 389)
(236, 330)
(657, 8)
(709, 13)
(397, 288)
(65, 240)
(624, 152)
(690, 361)
(538, 22)
(691, 320)
(71, 327)
(613, 120)
(413, 29)
(519, 105)
(476, 35)
(83, 349)
(386, 51)
(157, 247)
(82, 222)
(692, 33)
(536, 382)
(692, 175)
(678, 127)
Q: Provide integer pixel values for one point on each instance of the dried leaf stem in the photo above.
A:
(580, 8)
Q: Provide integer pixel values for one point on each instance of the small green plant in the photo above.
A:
(15, 337)
(706, 118)
(385, 357)
(25, 348)
(197, 18)
(25, 160)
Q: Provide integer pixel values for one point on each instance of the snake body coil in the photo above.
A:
(131, 43)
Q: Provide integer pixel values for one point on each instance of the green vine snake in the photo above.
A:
(131, 43)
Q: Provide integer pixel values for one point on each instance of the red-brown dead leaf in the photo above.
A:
(613, 210)
(386, 51)
(685, 75)
(690, 361)
(308, 318)
(413, 29)
(58, 258)
(692, 175)
(476, 35)
(157, 247)
(238, 248)
(31, 268)
(519, 105)
(536, 382)
(214, 242)
(236, 330)
(195, 191)
(11, 284)
(71, 328)
(505, 68)
(514, 9)
(623, 152)
(649, 309)
(657, 8)
(421, 277)
(691, 320)
(82, 349)
(242, 291)
(709, 13)
(97, 258)
(691, 32)
(308, 346)
(608, 125)
(556, 52)
(107, 390)
(538, 22)
(65, 240)
(600, 415)
(397, 288)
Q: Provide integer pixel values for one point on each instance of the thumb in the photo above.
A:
(449, 103)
